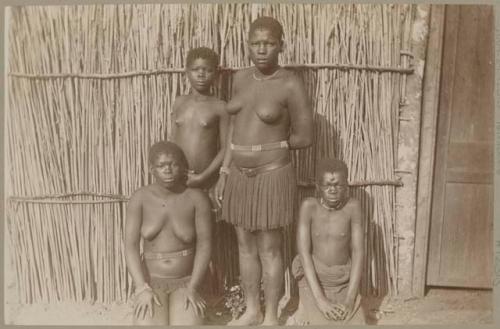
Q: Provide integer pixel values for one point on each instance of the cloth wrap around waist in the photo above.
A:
(334, 281)
(167, 284)
(332, 278)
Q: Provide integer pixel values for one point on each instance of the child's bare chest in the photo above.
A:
(172, 216)
(331, 226)
(196, 116)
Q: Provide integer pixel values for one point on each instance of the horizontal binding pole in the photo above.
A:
(394, 182)
(17, 200)
(313, 66)
(49, 199)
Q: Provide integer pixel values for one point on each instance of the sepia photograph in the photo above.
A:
(246, 164)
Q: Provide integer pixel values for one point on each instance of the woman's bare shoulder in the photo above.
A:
(291, 79)
(141, 193)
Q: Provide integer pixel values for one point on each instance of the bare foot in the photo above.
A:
(273, 322)
(247, 319)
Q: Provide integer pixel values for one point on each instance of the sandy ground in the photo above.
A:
(440, 306)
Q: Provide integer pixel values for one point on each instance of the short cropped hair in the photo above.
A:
(330, 165)
(268, 23)
(204, 53)
(165, 147)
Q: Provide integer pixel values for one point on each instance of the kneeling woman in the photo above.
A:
(175, 223)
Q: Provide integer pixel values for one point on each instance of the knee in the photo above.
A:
(270, 253)
(247, 249)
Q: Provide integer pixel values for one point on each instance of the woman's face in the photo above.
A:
(264, 49)
(167, 170)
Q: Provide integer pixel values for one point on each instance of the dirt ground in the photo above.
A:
(440, 306)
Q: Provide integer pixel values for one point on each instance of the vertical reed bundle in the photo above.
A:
(93, 134)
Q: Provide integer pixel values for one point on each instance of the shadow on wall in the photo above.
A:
(373, 288)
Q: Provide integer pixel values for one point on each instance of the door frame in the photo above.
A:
(428, 133)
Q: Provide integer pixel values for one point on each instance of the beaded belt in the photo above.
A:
(168, 255)
(261, 147)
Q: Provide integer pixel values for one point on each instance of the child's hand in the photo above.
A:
(330, 311)
(194, 180)
(144, 304)
(219, 190)
(347, 306)
(193, 297)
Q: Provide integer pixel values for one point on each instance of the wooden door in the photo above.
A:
(461, 230)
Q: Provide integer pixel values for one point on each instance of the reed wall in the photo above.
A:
(90, 88)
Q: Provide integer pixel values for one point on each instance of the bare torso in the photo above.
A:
(261, 116)
(197, 130)
(168, 226)
(331, 235)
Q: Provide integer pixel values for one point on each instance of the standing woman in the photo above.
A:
(270, 115)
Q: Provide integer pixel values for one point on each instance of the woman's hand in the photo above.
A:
(193, 297)
(219, 189)
(144, 302)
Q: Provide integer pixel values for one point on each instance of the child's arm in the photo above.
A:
(357, 247)
(203, 226)
(217, 161)
(239, 76)
(173, 125)
(304, 249)
(221, 183)
(144, 294)
(301, 125)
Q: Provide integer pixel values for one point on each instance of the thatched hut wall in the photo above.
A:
(90, 88)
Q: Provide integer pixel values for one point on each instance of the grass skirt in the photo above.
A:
(262, 202)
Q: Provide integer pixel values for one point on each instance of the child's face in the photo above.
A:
(264, 48)
(201, 74)
(167, 170)
(333, 187)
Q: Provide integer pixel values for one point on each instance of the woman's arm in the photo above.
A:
(203, 227)
(145, 296)
(133, 238)
(301, 124)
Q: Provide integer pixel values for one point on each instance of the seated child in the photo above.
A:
(200, 120)
(330, 245)
(174, 222)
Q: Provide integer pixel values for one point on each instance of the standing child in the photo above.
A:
(200, 120)
(330, 244)
(174, 222)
